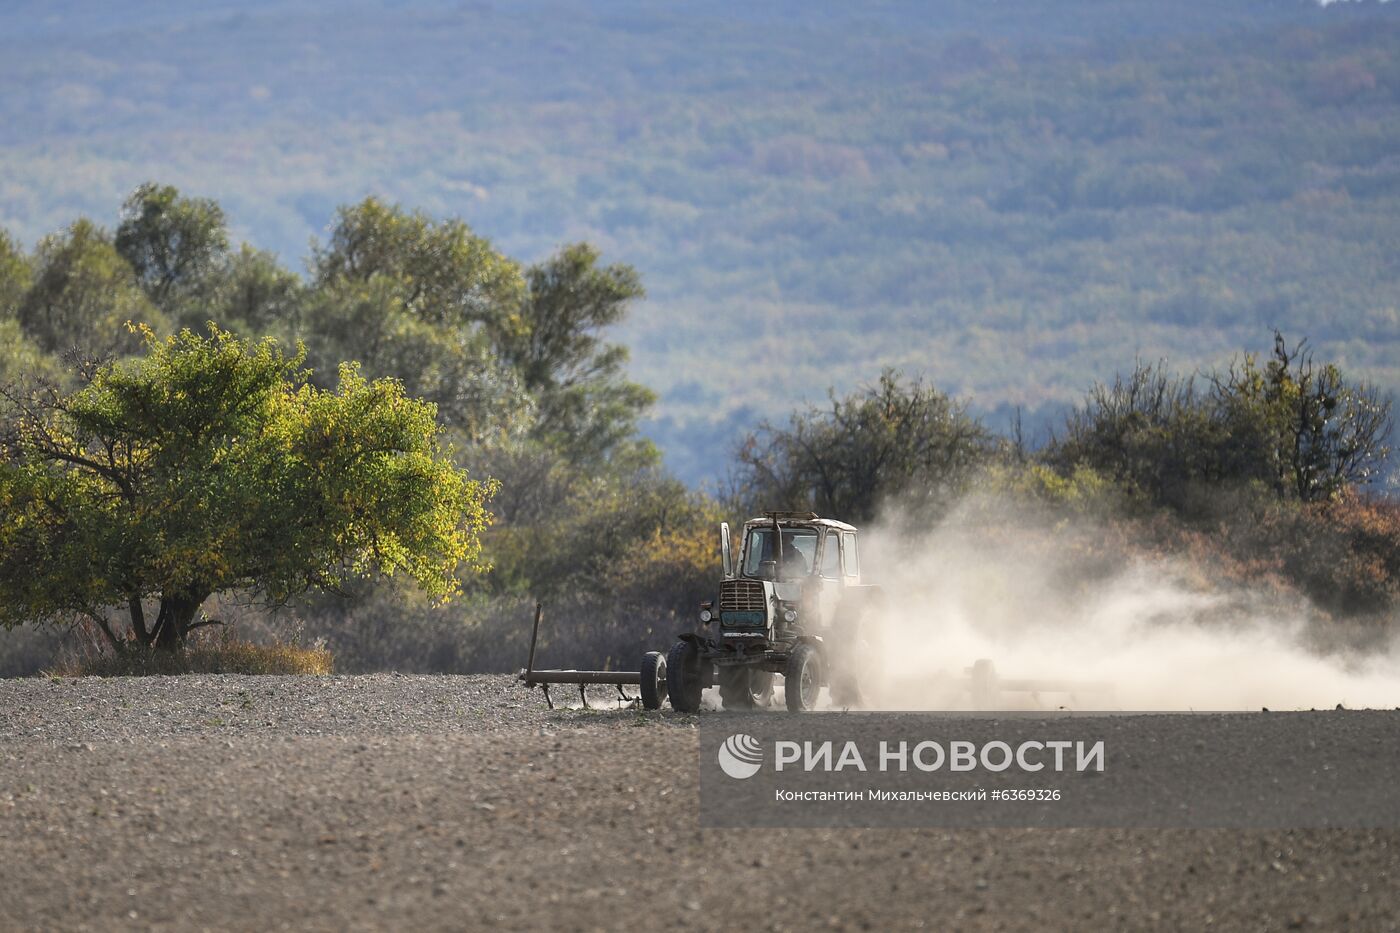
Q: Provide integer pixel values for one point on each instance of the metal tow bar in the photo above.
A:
(543, 679)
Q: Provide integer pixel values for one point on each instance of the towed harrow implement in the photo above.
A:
(650, 680)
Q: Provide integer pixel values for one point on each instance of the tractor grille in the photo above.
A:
(741, 596)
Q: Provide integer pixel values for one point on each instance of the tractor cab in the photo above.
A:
(791, 571)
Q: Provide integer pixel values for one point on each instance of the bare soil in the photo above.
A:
(391, 802)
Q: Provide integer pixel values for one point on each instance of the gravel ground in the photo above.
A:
(385, 801)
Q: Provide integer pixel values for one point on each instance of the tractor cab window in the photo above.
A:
(799, 551)
(831, 557)
(852, 555)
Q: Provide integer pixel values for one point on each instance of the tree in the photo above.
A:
(584, 405)
(413, 298)
(454, 368)
(212, 465)
(1291, 426)
(15, 276)
(589, 528)
(172, 243)
(18, 354)
(445, 274)
(502, 353)
(1321, 434)
(1154, 434)
(255, 293)
(83, 295)
(20, 357)
(890, 439)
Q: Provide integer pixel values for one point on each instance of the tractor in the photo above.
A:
(793, 605)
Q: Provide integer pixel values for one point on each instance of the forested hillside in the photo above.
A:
(1005, 197)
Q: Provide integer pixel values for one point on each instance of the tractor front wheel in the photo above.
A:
(745, 687)
(802, 682)
(683, 677)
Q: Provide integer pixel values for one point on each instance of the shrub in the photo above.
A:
(221, 656)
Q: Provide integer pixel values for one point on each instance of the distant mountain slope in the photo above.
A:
(1013, 198)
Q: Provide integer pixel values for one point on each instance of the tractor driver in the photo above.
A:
(794, 564)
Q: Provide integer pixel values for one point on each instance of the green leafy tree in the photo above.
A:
(582, 465)
(591, 522)
(19, 355)
(586, 407)
(456, 369)
(212, 465)
(1314, 432)
(173, 243)
(15, 276)
(255, 294)
(891, 439)
(446, 274)
(412, 298)
(83, 295)
(1156, 435)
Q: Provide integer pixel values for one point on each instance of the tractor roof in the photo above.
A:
(799, 518)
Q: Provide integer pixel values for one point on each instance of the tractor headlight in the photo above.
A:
(789, 616)
(706, 615)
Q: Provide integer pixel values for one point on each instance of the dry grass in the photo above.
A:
(224, 656)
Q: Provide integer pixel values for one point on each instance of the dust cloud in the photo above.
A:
(1060, 617)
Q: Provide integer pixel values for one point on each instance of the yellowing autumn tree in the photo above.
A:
(213, 464)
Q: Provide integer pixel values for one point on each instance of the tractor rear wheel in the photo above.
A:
(653, 679)
(802, 682)
(745, 687)
(683, 677)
